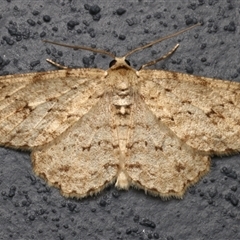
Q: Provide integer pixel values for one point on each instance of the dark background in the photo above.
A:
(29, 209)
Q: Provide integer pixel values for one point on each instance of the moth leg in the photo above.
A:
(161, 58)
(56, 64)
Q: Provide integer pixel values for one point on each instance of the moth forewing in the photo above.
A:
(38, 107)
(203, 112)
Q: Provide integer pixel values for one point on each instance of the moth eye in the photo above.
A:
(112, 63)
(127, 62)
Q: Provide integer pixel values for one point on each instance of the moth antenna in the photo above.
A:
(56, 64)
(161, 58)
(83, 48)
(161, 39)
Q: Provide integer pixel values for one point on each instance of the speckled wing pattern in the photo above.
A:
(203, 112)
(35, 108)
(159, 162)
(83, 160)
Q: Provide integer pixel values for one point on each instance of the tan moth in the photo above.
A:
(88, 128)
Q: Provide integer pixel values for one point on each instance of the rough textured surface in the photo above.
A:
(29, 208)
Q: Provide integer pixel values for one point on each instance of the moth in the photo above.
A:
(87, 128)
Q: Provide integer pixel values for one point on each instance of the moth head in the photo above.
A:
(119, 62)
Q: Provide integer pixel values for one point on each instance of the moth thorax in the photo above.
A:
(122, 100)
